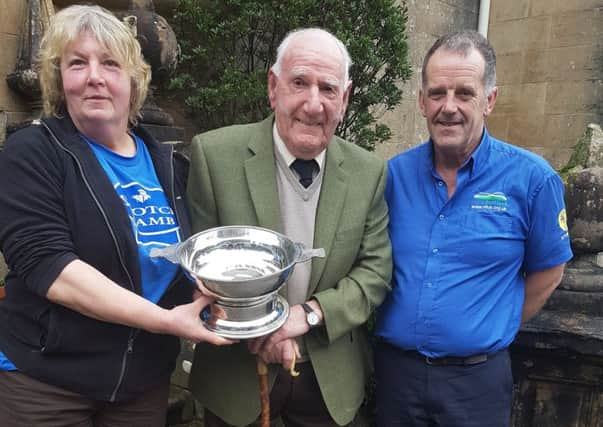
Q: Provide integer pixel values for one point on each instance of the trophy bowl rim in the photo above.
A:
(211, 283)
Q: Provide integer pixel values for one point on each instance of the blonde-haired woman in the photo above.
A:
(89, 325)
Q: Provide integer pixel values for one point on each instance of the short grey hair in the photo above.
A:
(282, 49)
(462, 43)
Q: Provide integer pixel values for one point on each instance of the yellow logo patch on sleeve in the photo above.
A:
(562, 219)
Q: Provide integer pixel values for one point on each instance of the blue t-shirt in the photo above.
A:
(153, 221)
(459, 263)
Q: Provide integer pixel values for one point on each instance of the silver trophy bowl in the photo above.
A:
(243, 267)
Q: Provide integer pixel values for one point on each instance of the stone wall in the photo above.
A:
(12, 107)
(550, 71)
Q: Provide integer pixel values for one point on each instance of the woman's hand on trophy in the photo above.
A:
(200, 287)
(185, 321)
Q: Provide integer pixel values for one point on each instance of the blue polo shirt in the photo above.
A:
(459, 263)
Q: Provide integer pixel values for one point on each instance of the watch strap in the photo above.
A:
(307, 308)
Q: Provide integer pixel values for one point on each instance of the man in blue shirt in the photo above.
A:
(479, 241)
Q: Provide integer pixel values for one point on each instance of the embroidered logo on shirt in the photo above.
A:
(152, 218)
(142, 196)
(489, 201)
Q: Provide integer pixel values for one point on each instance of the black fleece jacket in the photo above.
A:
(57, 205)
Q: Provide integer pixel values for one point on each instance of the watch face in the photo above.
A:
(312, 319)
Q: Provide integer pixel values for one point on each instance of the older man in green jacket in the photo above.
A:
(291, 174)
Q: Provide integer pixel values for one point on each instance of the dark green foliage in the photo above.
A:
(229, 45)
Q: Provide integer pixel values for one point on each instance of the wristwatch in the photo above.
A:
(311, 316)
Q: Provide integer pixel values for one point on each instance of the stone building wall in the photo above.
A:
(12, 107)
(550, 71)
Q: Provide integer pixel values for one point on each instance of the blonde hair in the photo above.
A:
(65, 28)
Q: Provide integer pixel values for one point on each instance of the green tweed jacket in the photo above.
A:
(232, 181)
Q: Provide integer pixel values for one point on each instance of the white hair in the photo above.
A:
(282, 49)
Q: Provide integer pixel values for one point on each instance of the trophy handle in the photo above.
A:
(169, 252)
(303, 254)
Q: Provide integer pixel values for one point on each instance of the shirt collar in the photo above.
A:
(286, 154)
(475, 162)
(480, 155)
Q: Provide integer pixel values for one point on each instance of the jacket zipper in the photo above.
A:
(133, 331)
(124, 362)
(175, 203)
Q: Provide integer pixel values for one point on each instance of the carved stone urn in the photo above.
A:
(160, 49)
(24, 80)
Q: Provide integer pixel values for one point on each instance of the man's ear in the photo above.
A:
(272, 82)
(346, 100)
(490, 101)
(421, 102)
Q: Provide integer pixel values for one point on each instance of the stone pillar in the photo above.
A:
(584, 194)
(558, 355)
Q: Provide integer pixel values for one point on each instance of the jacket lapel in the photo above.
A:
(330, 207)
(260, 170)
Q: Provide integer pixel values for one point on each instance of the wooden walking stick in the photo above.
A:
(262, 370)
(264, 394)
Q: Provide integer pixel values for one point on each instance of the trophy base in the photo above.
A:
(243, 322)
